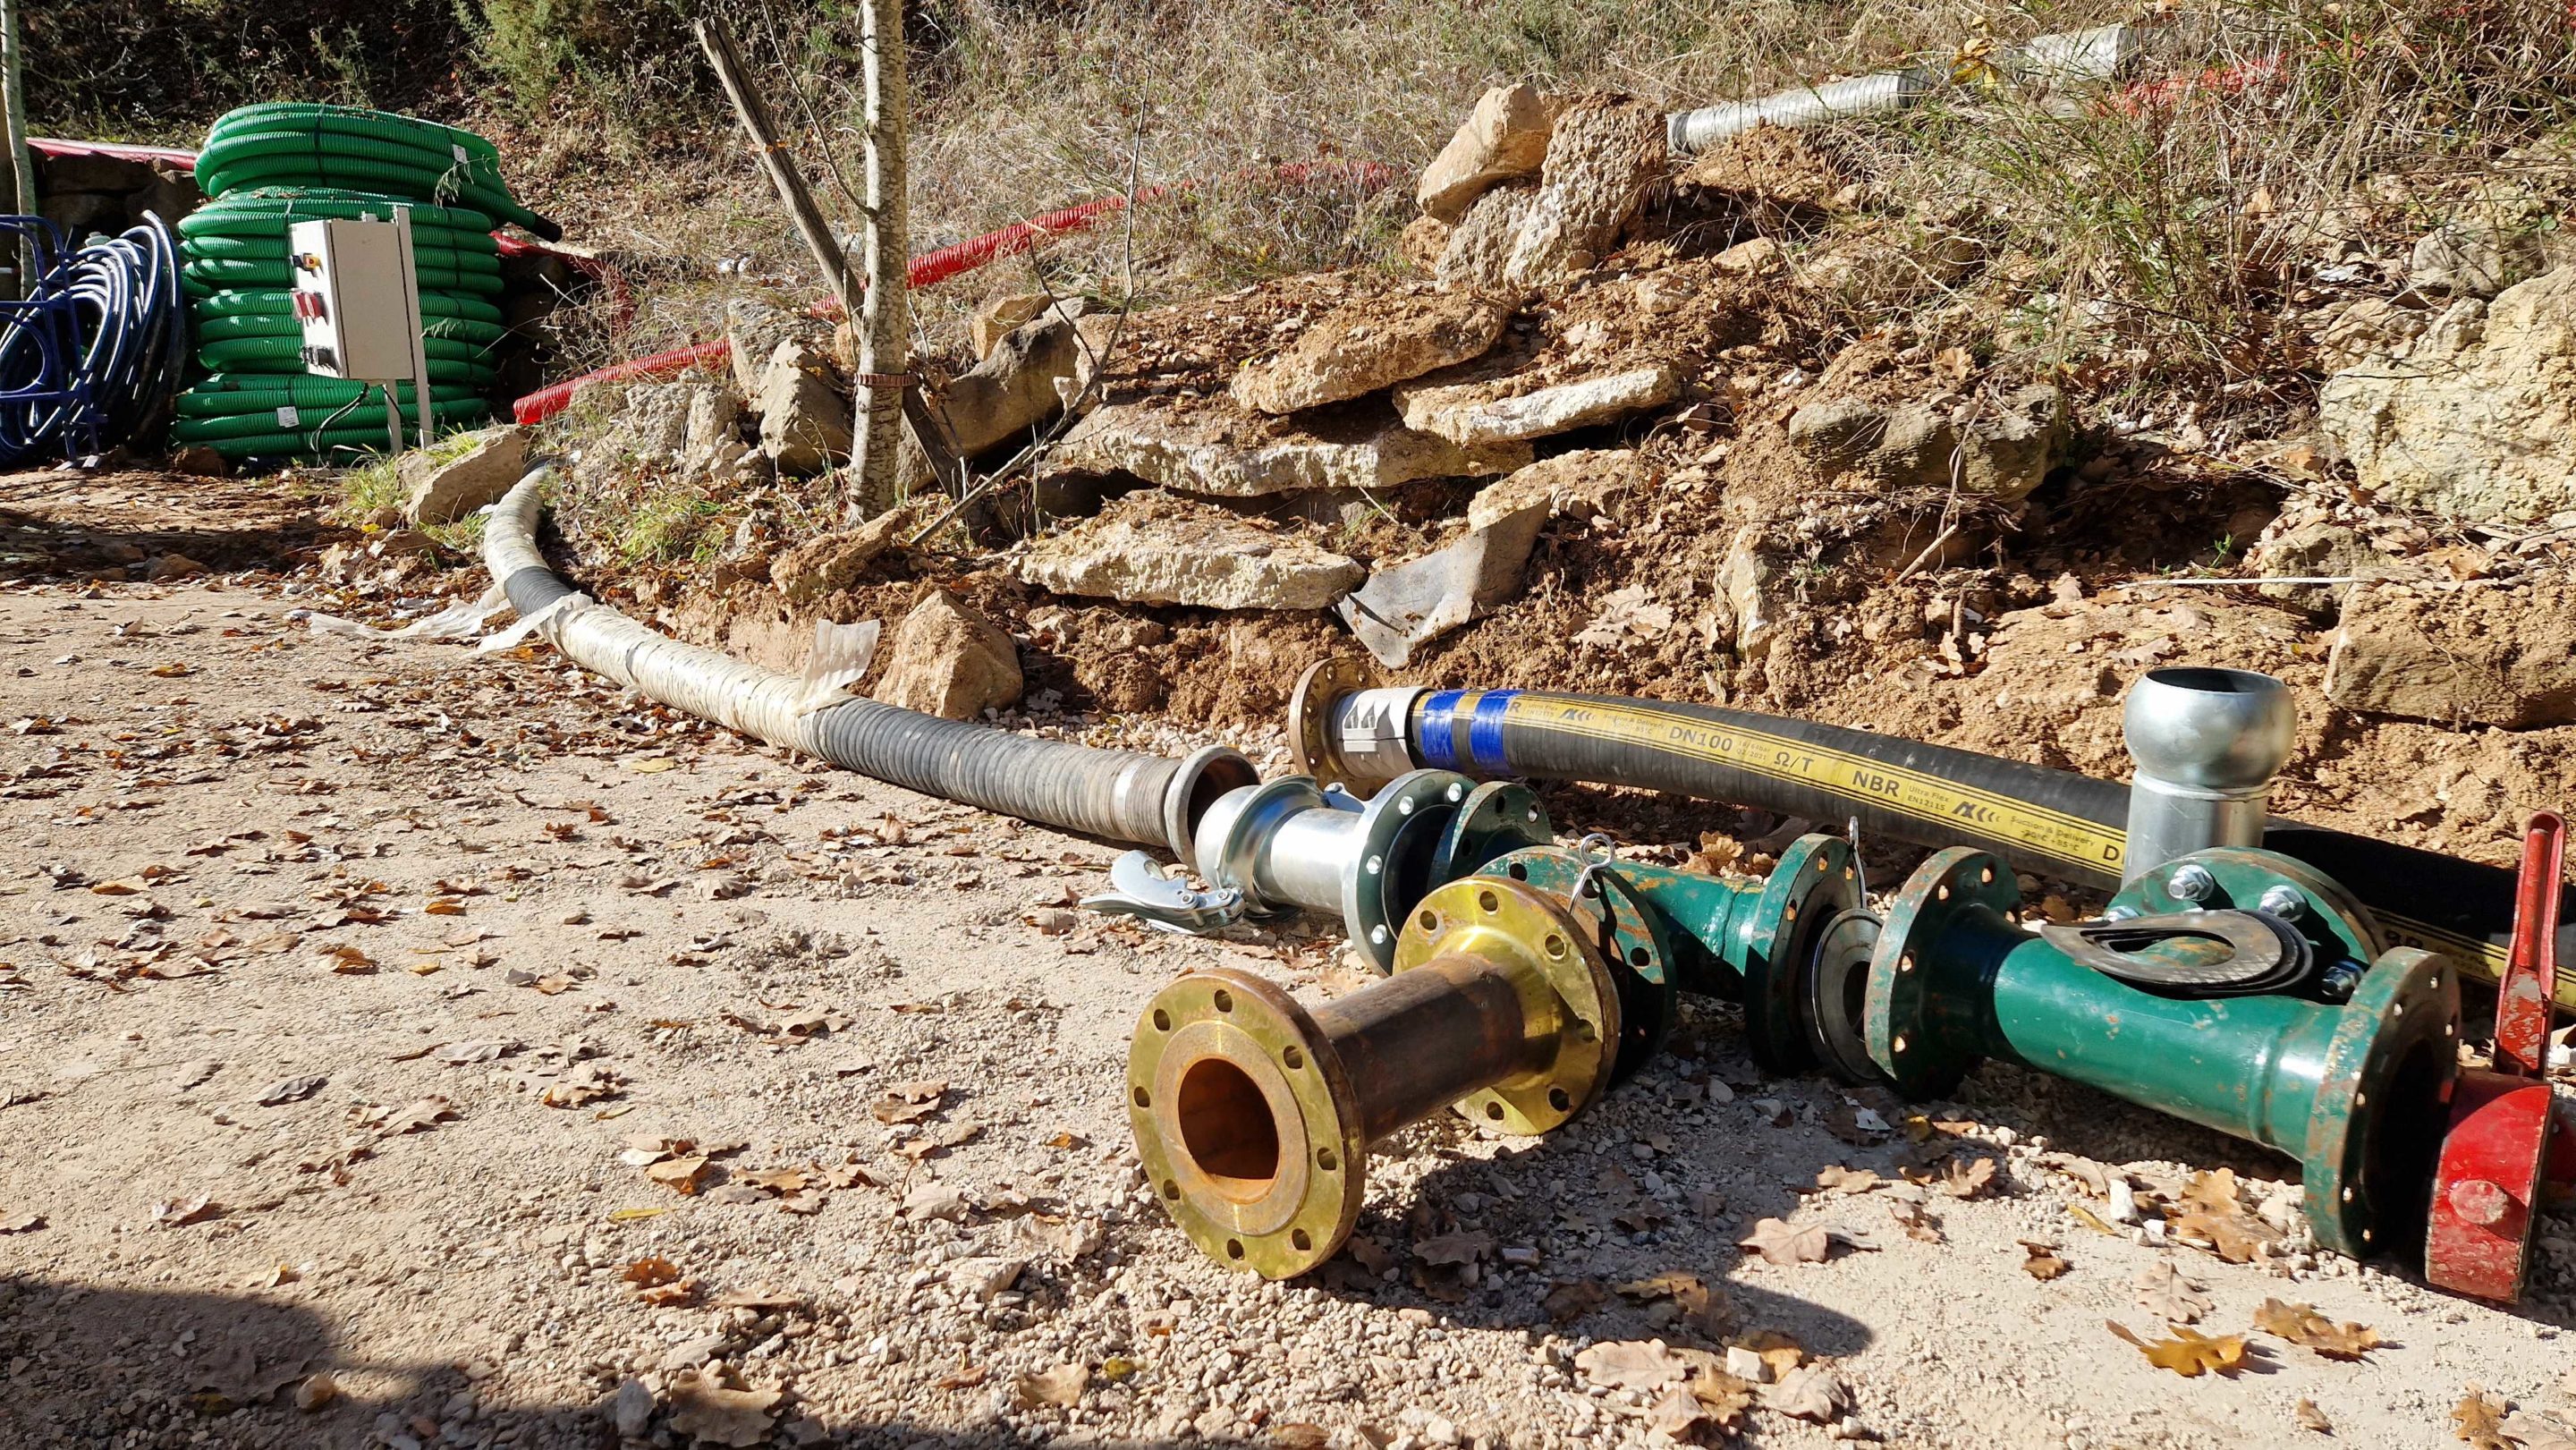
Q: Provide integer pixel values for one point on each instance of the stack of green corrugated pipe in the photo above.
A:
(269, 167)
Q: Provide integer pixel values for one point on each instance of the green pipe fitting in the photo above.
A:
(1753, 942)
(2354, 1090)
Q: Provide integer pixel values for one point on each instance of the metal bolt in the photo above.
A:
(2122, 912)
(2339, 981)
(2191, 881)
(2284, 901)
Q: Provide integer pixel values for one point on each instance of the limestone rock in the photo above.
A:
(1480, 244)
(687, 427)
(1156, 549)
(1605, 153)
(1013, 389)
(999, 316)
(950, 661)
(2471, 656)
(1504, 139)
(1570, 484)
(804, 418)
(2474, 417)
(1749, 580)
(833, 562)
(2002, 447)
(1758, 257)
(1371, 343)
(1423, 240)
(2349, 334)
(461, 474)
(2316, 550)
(1477, 414)
(2468, 261)
(1209, 446)
(755, 328)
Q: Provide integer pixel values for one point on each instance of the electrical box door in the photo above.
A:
(353, 296)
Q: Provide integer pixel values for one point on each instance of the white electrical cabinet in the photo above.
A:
(358, 300)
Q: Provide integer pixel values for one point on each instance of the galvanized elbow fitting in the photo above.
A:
(2207, 743)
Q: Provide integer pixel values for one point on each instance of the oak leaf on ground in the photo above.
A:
(2302, 1325)
(1775, 1240)
(2189, 1353)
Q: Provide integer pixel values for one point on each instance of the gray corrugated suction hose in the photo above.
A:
(1119, 795)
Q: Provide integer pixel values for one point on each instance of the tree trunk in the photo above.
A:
(886, 320)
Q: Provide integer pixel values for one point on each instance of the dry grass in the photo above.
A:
(2154, 236)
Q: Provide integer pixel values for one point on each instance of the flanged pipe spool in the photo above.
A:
(2350, 1076)
(1253, 1114)
(1242, 1100)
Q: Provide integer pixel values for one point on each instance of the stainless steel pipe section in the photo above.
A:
(2206, 743)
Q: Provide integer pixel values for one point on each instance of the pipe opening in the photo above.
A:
(1227, 1129)
(2208, 680)
(2408, 1118)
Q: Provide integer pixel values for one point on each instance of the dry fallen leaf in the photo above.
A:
(2040, 1260)
(963, 1377)
(417, 1116)
(2302, 1325)
(176, 1211)
(2312, 1418)
(2230, 1235)
(1779, 1243)
(651, 1273)
(2213, 1191)
(1838, 1179)
(1570, 1299)
(1455, 1249)
(2535, 1431)
(1813, 1392)
(1917, 1224)
(1061, 1386)
(19, 1223)
(680, 1175)
(1632, 1364)
(703, 1406)
(2166, 1294)
(2189, 1353)
(293, 1090)
(1966, 1180)
(348, 961)
(1678, 1415)
(2478, 1420)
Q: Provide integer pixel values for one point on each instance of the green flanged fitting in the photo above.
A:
(1627, 932)
(1753, 942)
(2354, 1091)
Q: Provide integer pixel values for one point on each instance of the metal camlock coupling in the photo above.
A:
(2152, 1011)
(1290, 843)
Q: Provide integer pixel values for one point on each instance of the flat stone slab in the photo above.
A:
(1157, 549)
(1212, 446)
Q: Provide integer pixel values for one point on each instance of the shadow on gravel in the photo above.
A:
(81, 1367)
(57, 524)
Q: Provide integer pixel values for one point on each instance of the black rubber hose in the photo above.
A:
(2053, 822)
(1118, 795)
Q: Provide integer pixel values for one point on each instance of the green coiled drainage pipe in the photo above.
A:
(265, 168)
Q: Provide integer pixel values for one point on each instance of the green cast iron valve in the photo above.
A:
(2354, 1089)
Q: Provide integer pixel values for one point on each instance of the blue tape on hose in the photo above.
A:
(1485, 733)
(1439, 742)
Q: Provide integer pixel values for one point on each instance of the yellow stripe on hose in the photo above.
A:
(1930, 798)
(2071, 839)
